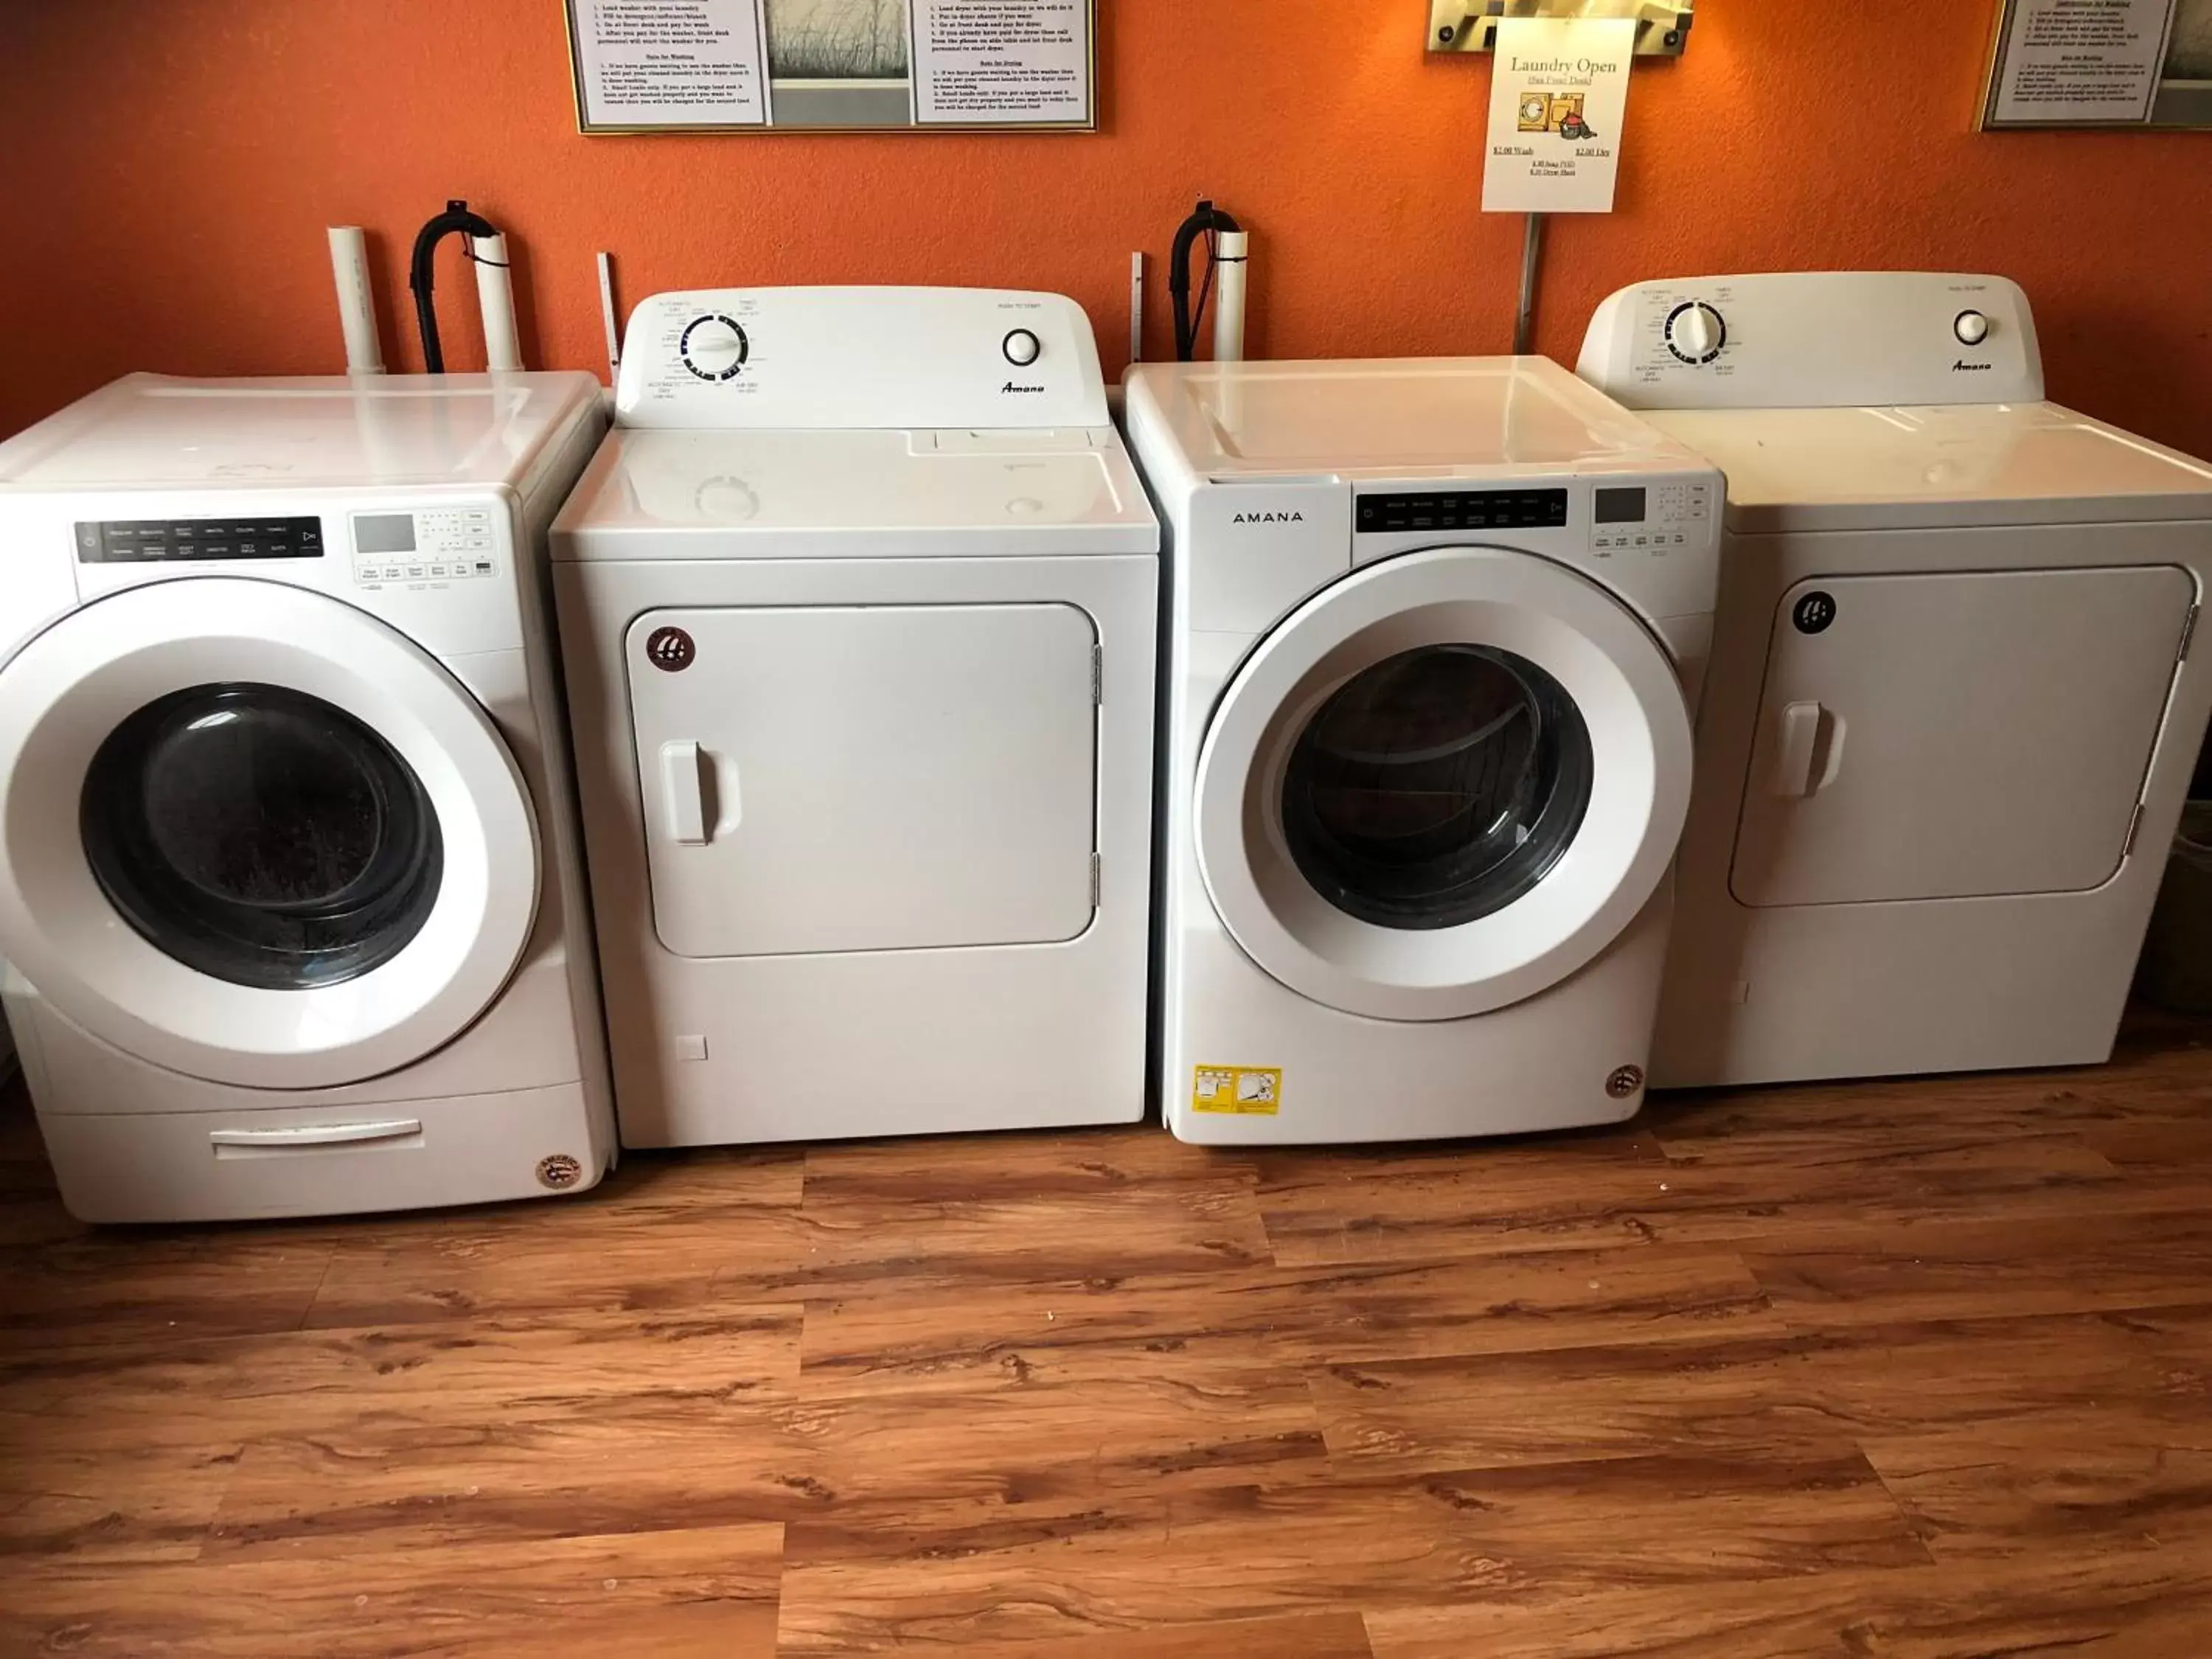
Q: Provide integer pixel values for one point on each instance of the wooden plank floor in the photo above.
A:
(1904, 1369)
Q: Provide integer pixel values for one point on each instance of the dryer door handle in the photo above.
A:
(698, 792)
(683, 791)
(1810, 751)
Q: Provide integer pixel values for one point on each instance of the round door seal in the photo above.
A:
(671, 650)
(1815, 613)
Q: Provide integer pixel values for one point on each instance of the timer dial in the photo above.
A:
(1695, 332)
(714, 347)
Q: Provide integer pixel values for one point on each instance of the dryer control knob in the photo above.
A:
(714, 347)
(1972, 327)
(1022, 347)
(1695, 332)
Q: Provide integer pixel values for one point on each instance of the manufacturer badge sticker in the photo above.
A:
(671, 650)
(1814, 613)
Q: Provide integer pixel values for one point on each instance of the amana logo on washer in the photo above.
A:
(1269, 518)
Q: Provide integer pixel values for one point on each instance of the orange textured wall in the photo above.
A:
(167, 167)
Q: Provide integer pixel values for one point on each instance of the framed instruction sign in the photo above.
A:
(2100, 64)
(834, 65)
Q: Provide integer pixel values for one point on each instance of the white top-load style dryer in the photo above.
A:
(860, 605)
(290, 880)
(1432, 645)
(1953, 707)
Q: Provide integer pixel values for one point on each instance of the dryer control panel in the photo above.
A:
(1815, 339)
(860, 358)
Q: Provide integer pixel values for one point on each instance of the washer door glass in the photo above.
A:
(261, 836)
(1436, 786)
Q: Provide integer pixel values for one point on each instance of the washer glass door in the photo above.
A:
(252, 834)
(261, 836)
(1442, 785)
(1436, 786)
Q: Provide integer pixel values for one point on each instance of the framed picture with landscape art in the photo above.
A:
(834, 65)
(2141, 64)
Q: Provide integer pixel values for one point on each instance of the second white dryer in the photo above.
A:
(859, 608)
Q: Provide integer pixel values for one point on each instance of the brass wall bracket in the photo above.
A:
(1662, 26)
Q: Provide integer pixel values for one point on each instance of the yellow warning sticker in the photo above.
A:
(1239, 1091)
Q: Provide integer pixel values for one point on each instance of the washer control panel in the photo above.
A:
(1649, 517)
(1396, 511)
(1815, 339)
(181, 541)
(1652, 536)
(423, 546)
(847, 358)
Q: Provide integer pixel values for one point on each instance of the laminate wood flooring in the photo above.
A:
(1917, 1368)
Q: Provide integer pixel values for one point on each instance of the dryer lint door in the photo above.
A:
(1956, 735)
(821, 779)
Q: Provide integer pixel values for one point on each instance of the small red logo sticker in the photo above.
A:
(671, 650)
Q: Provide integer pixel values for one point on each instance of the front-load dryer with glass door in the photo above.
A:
(290, 888)
(1953, 706)
(860, 606)
(1433, 635)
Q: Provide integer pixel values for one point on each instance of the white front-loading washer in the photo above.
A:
(1954, 705)
(1433, 635)
(860, 607)
(290, 888)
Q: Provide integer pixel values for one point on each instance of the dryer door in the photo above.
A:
(251, 834)
(1442, 785)
(835, 778)
(1957, 735)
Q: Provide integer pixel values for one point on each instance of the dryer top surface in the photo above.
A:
(1938, 465)
(766, 493)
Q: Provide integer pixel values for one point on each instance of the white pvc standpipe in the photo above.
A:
(1231, 262)
(495, 299)
(607, 318)
(1136, 307)
(364, 351)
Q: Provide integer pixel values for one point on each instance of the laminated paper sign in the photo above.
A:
(670, 62)
(1558, 92)
(2064, 61)
(849, 65)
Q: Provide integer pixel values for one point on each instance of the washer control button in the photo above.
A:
(1022, 347)
(1972, 327)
